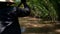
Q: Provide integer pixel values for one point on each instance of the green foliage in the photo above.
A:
(17, 2)
(42, 8)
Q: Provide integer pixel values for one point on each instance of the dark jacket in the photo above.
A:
(9, 19)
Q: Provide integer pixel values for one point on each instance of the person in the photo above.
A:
(9, 17)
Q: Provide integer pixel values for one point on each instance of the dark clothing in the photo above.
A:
(9, 19)
(23, 1)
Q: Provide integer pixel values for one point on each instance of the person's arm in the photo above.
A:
(23, 12)
(22, 2)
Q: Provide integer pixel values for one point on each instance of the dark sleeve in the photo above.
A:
(23, 12)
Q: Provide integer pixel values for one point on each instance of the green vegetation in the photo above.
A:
(46, 9)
